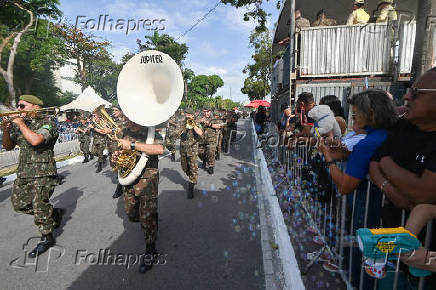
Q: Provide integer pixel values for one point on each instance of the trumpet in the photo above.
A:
(7, 117)
(190, 123)
(46, 112)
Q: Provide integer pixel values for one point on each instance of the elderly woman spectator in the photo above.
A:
(374, 112)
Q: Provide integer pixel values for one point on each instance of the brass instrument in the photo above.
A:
(150, 89)
(47, 112)
(126, 161)
(105, 121)
(190, 123)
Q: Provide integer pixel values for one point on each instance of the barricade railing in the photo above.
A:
(335, 217)
(328, 210)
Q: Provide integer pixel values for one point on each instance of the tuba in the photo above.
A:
(150, 89)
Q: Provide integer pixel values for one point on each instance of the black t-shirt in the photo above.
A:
(410, 148)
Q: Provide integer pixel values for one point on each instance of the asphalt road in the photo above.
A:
(210, 242)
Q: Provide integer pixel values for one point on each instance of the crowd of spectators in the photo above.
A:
(394, 148)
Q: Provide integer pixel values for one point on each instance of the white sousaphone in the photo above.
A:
(150, 89)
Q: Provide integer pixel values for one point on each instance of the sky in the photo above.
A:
(218, 45)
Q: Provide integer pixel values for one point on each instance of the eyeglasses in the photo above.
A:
(21, 106)
(414, 91)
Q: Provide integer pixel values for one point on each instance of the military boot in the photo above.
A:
(118, 192)
(47, 241)
(173, 157)
(58, 213)
(99, 167)
(210, 170)
(91, 156)
(204, 163)
(217, 157)
(86, 159)
(191, 190)
(149, 259)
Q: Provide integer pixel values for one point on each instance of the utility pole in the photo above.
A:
(291, 48)
(425, 38)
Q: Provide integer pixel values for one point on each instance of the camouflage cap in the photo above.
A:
(189, 111)
(31, 99)
(386, 2)
(206, 108)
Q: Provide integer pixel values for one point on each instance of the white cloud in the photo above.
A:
(234, 19)
(118, 52)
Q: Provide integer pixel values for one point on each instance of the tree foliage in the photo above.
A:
(257, 84)
(165, 44)
(27, 55)
(83, 51)
(255, 11)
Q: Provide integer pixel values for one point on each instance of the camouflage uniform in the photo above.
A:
(36, 174)
(220, 133)
(189, 142)
(98, 145)
(207, 149)
(140, 198)
(85, 140)
(174, 124)
(112, 145)
(324, 22)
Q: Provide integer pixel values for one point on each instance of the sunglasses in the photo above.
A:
(414, 91)
(21, 106)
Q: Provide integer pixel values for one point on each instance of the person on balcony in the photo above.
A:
(322, 20)
(359, 15)
(300, 21)
(385, 11)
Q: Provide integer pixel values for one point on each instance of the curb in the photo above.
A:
(267, 195)
(10, 178)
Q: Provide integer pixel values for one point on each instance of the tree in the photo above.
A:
(255, 11)
(84, 51)
(37, 55)
(102, 75)
(188, 74)
(257, 84)
(16, 18)
(205, 85)
(165, 44)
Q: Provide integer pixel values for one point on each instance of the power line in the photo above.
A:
(199, 20)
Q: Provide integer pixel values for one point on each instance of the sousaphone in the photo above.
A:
(150, 89)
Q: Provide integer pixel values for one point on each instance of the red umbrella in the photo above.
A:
(257, 103)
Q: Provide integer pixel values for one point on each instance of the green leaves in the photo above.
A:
(165, 44)
(255, 11)
(257, 84)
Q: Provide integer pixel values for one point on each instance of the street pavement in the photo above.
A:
(209, 242)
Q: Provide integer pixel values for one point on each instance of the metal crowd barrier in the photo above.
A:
(334, 217)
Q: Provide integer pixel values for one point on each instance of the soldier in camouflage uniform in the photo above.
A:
(141, 197)
(112, 145)
(98, 143)
(174, 125)
(207, 150)
(84, 139)
(322, 20)
(190, 137)
(36, 173)
(220, 132)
